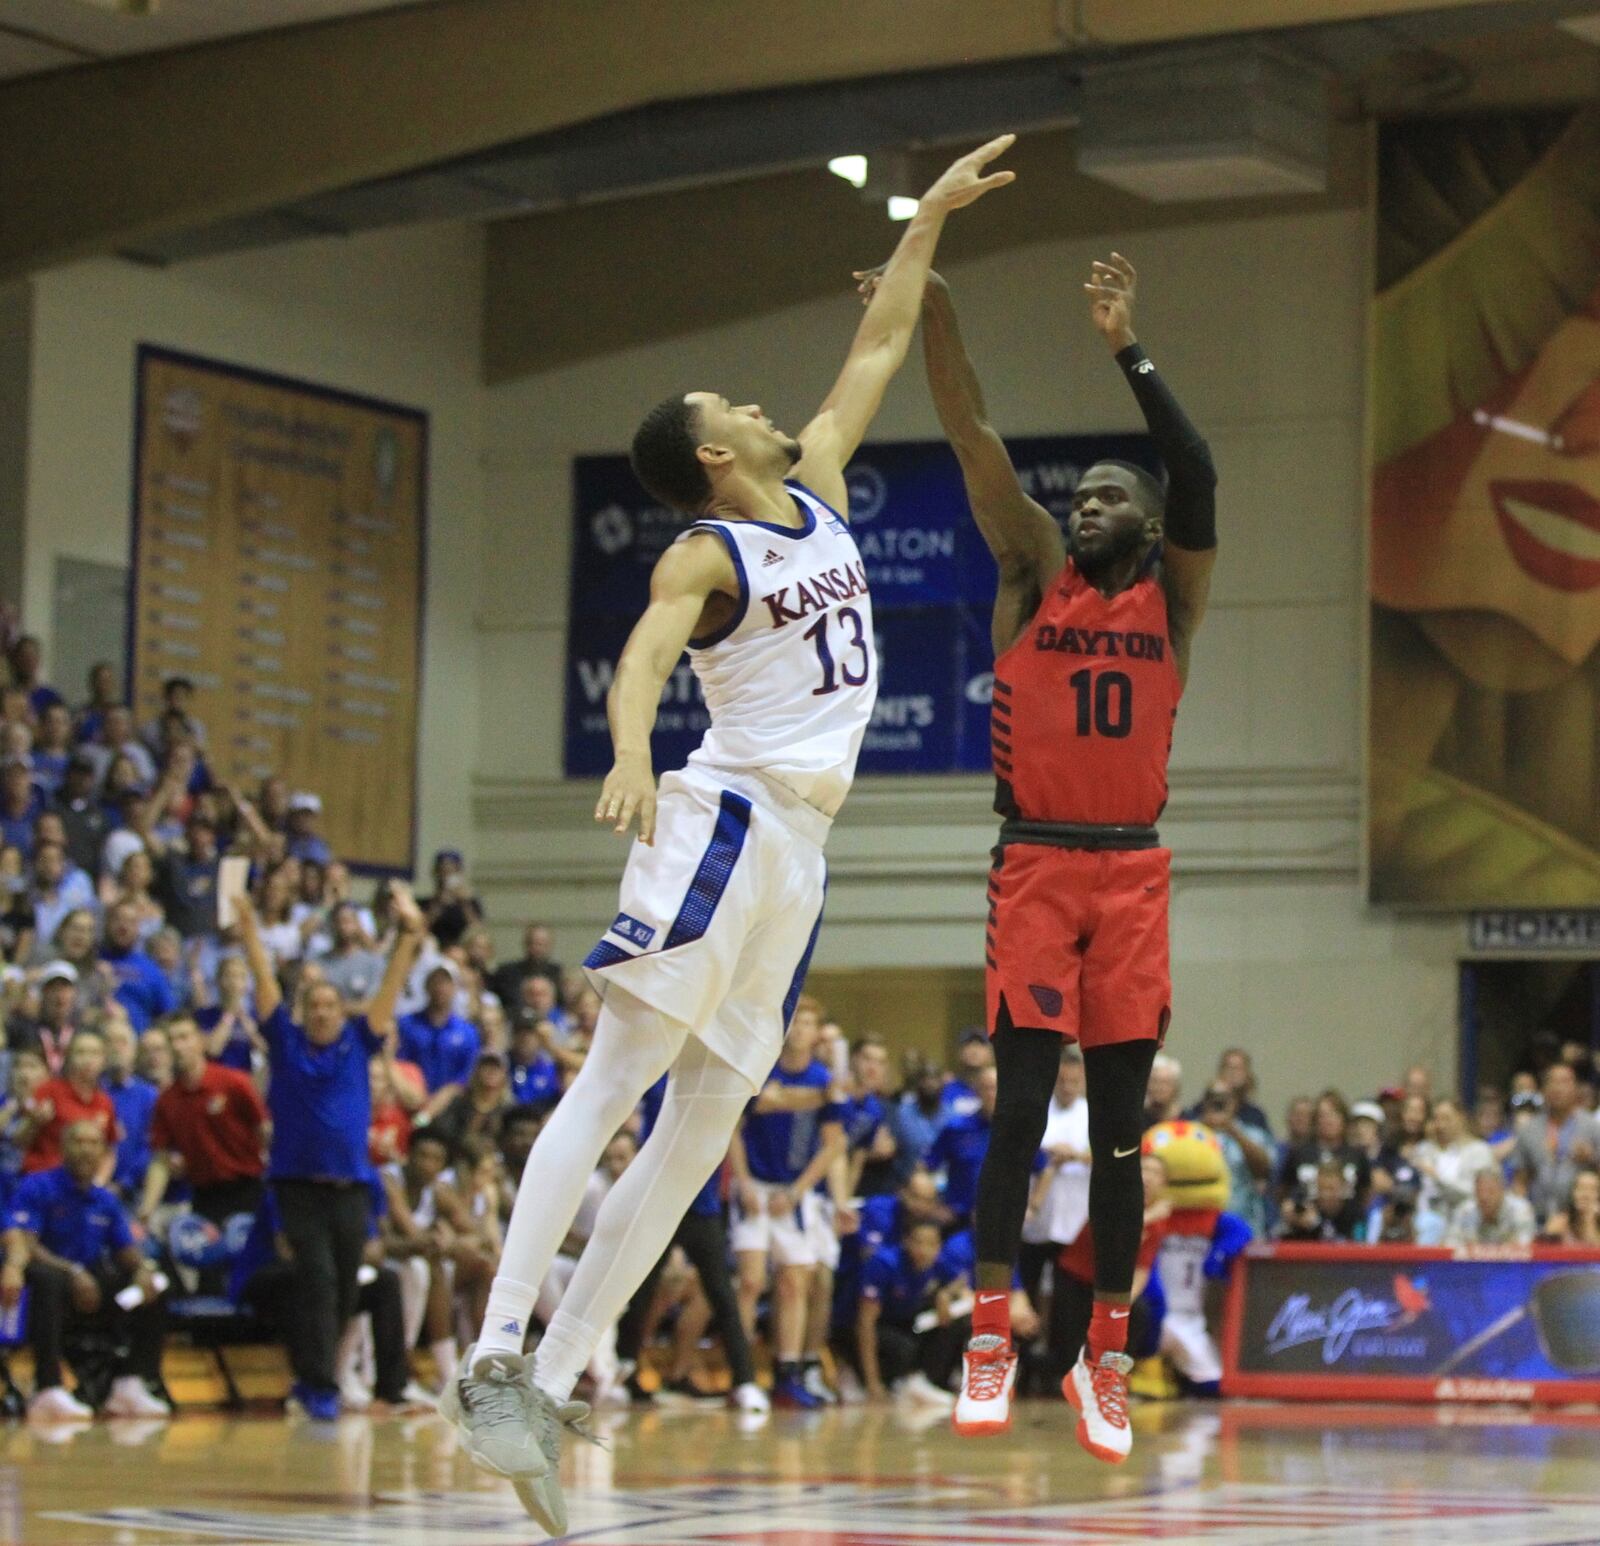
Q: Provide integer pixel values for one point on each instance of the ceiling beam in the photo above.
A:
(556, 294)
(101, 157)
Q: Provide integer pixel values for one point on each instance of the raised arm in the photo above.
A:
(402, 954)
(1190, 524)
(882, 339)
(1023, 536)
(268, 994)
(685, 578)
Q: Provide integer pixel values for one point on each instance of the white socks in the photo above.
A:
(633, 1046)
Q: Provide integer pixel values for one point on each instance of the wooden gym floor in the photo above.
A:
(1235, 1473)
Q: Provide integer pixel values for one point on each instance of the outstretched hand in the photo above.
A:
(963, 180)
(1111, 292)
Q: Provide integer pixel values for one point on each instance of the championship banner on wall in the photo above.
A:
(1484, 761)
(1486, 1323)
(278, 548)
(932, 580)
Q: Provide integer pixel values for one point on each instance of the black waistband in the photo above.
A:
(1071, 834)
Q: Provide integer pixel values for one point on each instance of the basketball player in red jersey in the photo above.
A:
(1092, 640)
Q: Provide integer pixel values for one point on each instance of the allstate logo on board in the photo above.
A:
(183, 412)
(866, 489)
(612, 530)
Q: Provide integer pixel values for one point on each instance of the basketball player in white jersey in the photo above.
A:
(722, 895)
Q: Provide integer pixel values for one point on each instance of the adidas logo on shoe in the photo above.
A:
(771, 559)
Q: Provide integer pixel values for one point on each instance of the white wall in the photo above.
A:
(396, 316)
(1259, 325)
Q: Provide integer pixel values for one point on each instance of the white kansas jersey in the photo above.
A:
(791, 677)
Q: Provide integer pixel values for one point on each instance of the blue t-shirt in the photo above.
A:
(708, 1200)
(320, 1099)
(914, 1131)
(236, 1050)
(143, 989)
(17, 831)
(446, 1053)
(780, 1144)
(135, 1102)
(958, 1098)
(537, 1083)
(892, 1281)
(862, 1116)
(83, 1223)
(958, 1151)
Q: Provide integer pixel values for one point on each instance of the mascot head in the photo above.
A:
(1197, 1174)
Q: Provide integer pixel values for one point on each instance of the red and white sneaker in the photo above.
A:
(984, 1405)
(1099, 1392)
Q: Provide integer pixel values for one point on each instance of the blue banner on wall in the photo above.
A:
(932, 579)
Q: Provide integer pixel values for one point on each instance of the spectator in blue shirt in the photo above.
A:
(21, 801)
(439, 1041)
(304, 841)
(960, 1147)
(135, 1102)
(320, 1098)
(535, 1075)
(865, 1114)
(975, 1053)
(69, 1242)
(907, 1338)
(791, 1139)
(142, 987)
(52, 748)
(25, 660)
(59, 887)
(915, 1120)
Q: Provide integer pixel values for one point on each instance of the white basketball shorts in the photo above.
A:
(719, 918)
(789, 1238)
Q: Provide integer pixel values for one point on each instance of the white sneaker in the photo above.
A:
(816, 1382)
(417, 1394)
(1099, 1392)
(851, 1391)
(59, 1405)
(353, 1395)
(130, 1398)
(921, 1391)
(750, 1397)
(989, 1373)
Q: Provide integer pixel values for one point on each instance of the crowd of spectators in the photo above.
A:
(318, 1117)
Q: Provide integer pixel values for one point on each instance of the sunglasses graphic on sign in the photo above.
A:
(1566, 1315)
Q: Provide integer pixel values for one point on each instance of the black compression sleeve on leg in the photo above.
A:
(1191, 516)
(1027, 1059)
(1116, 1076)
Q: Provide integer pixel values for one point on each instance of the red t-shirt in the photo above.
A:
(388, 1122)
(216, 1126)
(44, 1153)
(1077, 1259)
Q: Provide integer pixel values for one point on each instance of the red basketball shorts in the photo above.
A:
(1077, 941)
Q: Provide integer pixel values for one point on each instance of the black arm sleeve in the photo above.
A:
(1191, 519)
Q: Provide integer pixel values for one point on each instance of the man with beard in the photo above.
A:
(1092, 641)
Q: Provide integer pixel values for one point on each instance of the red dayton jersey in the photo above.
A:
(1084, 704)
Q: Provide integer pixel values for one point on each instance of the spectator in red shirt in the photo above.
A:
(389, 1135)
(73, 1096)
(213, 1120)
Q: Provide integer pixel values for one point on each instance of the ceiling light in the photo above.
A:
(902, 208)
(1585, 27)
(852, 168)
